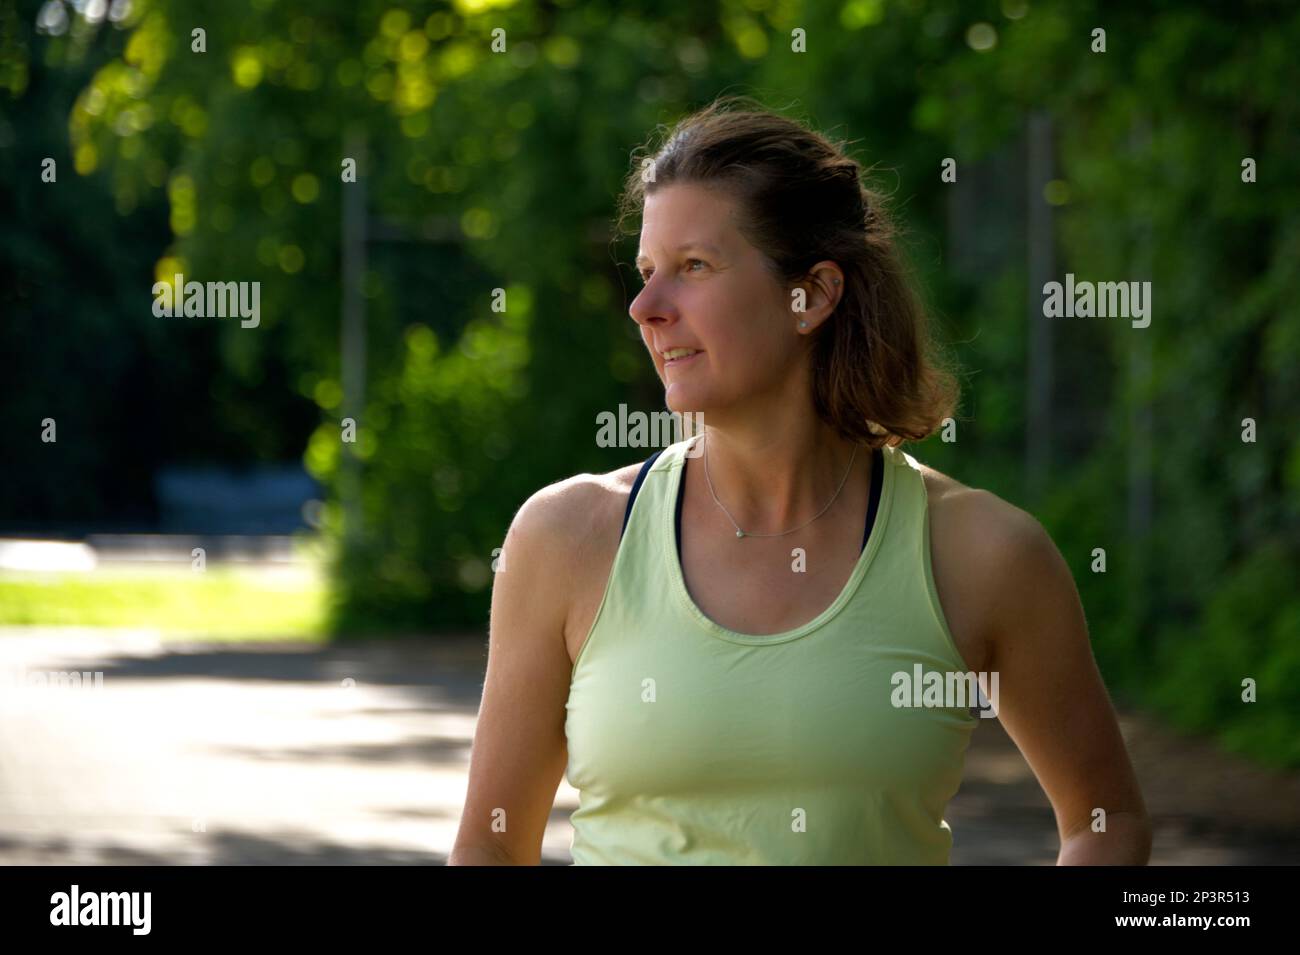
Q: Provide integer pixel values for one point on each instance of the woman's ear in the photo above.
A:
(819, 294)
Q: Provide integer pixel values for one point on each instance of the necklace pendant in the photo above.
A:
(740, 533)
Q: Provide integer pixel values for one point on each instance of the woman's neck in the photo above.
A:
(772, 479)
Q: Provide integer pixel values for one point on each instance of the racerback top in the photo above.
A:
(690, 743)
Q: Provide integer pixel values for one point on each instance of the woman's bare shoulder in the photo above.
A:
(576, 513)
(974, 515)
(995, 557)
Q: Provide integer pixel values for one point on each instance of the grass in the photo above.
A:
(228, 602)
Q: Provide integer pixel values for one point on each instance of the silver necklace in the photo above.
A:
(739, 532)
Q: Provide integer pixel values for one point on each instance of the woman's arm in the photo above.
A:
(519, 752)
(1053, 703)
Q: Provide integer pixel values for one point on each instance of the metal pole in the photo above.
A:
(353, 332)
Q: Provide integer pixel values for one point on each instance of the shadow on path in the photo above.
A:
(251, 754)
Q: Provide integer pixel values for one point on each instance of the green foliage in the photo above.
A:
(519, 154)
(1250, 629)
(1200, 588)
(78, 341)
(505, 167)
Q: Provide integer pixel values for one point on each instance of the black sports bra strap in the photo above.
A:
(877, 482)
(636, 486)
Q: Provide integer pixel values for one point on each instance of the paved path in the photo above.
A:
(358, 754)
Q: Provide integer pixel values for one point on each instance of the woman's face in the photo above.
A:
(706, 290)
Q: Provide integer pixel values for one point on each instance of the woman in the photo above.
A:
(720, 644)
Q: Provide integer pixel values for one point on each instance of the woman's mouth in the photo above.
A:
(676, 357)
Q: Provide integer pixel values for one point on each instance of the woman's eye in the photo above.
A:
(646, 273)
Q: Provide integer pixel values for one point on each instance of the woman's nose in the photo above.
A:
(651, 306)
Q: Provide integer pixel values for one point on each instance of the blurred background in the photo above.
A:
(291, 624)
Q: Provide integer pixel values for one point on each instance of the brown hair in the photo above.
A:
(801, 200)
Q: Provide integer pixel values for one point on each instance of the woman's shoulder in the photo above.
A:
(579, 513)
(992, 553)
(977, 516)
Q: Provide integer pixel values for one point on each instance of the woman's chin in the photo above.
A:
(681, 400)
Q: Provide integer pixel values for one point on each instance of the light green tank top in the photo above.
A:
(690, 743)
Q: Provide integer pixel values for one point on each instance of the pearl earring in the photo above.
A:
(803, 324)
